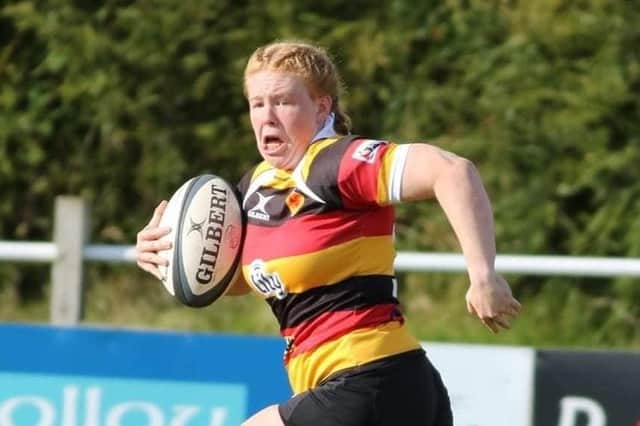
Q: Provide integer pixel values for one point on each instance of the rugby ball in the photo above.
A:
(205, 218)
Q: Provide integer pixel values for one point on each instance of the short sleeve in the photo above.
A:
(370, 173)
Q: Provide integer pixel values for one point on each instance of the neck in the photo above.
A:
(326, 130)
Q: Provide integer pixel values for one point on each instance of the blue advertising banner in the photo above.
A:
(54, 376)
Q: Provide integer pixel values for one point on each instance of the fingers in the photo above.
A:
(150, 262)
(470, 308)
(150, 268)
(512, 310)
(502, 319)
(495, 311)
(152, 258)
(496, 323)
(502, 322)
(149, 242)
(490, 324)
(157, 214)
(147, 255)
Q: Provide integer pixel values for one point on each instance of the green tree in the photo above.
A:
(120, 102)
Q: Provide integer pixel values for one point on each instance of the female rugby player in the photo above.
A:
(319, 248)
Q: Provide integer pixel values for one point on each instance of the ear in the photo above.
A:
(323, 105)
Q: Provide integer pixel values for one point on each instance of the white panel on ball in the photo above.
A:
(207, 230)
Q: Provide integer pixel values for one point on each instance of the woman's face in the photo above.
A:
(284, 116)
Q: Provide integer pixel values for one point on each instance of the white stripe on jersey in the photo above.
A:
(397, 169)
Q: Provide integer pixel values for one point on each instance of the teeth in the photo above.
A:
(272, 141)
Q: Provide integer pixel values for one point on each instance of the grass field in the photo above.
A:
(556, 312)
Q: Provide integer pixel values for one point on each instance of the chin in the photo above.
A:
(278, 163)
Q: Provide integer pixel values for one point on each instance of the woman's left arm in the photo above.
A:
(454, 181)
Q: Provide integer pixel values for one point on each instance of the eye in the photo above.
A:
(257, 104)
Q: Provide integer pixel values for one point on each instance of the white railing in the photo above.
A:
(69, 250)
(526, 265)
(39, 252)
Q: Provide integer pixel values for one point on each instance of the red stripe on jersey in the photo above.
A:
(331, 325)
(313, 232)
(359, 171)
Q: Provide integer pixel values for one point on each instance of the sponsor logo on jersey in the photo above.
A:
(267, 283)
(260, 210)
(367, 150)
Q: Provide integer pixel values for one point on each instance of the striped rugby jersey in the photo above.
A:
(319, 247)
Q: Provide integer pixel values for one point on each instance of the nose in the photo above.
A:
(270, 115)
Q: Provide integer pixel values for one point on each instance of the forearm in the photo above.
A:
(462, 196)
(431, 172)
(454, 181)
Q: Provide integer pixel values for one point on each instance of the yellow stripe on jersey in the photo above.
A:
(356, 348)
(284, 179)
(280, 179)
(390, 175)
(384, 196)
(261, 168)
(313, 150)
(358, 257)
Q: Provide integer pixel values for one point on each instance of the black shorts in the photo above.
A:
(403, 389)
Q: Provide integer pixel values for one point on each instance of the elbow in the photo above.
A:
(459, 173)
(462, 169)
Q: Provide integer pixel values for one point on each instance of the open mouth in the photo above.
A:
(272, 144)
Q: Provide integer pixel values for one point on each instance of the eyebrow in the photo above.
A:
(276, 94)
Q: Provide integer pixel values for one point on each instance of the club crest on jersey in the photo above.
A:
(294, 201)
(259, 211)
(267, 283)
(367, 150)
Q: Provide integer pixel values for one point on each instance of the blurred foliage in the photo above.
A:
(120, 101)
